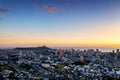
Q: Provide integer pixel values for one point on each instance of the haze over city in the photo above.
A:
(55, 23)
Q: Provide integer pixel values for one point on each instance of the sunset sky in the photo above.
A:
(87, 23)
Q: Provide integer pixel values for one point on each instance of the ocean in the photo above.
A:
(103, 49)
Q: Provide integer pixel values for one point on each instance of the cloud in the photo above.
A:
(50, 9)
(47, 8)
(3, 10)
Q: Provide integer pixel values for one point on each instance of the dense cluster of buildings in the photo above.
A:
(43, 63)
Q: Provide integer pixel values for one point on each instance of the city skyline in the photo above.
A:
(77, 23)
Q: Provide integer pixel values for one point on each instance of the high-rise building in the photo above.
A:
(117, 51)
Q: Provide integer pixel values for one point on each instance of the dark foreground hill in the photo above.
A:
(32, 48)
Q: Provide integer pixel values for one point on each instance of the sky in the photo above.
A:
(76, 23)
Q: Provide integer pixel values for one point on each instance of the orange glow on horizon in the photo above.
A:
(105, 36)
(60, 44)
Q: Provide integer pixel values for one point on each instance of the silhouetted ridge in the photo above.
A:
(32, 48)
